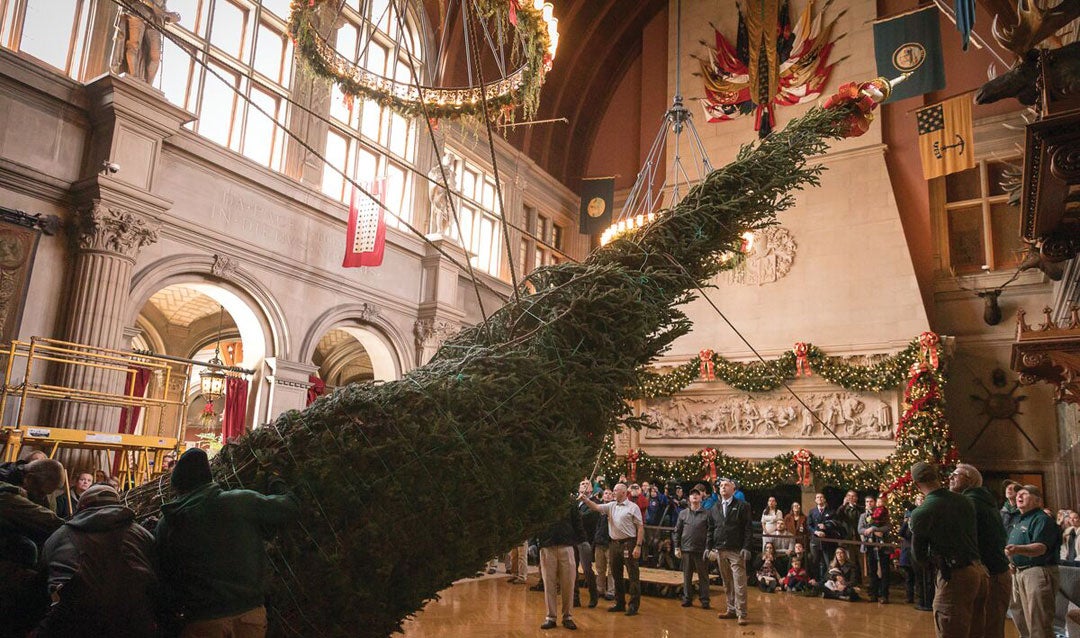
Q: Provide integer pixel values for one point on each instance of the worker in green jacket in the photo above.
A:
(967, 480)
(213, 564)
(944, 533)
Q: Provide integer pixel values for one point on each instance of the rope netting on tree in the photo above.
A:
(409, 485)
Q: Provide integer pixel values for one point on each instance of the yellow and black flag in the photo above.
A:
(597, 200)
(946, 143)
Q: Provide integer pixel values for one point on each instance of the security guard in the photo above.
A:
(1033, 551)
(944, 533)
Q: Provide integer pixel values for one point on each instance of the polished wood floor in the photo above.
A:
(491, 607)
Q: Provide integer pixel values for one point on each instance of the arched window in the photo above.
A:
(53, 31)
(371, 36)
(245, 42)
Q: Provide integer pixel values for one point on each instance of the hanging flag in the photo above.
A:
(945, 138)
(597, 200)
(910, 43)
(965, 20)
(367, 228)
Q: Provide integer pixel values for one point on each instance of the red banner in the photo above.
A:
(367, 228)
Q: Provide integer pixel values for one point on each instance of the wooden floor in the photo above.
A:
(491, 607)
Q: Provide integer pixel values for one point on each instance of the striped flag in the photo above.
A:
(946, 143)
(367, 228)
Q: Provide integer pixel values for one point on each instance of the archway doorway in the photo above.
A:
(200, 321)
(353, 354)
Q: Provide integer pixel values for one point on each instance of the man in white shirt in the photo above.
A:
(627, 530)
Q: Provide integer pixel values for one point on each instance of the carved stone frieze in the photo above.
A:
(224, 267)
(432, 332)
(771, 415)
(769, 260)
(111, 229)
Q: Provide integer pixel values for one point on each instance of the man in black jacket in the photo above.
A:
(730, 537)
(557, 566)
(691, 533)
(101, 572)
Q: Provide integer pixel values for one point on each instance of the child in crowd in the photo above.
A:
(767, 576)
(838, 587)
(796, 579)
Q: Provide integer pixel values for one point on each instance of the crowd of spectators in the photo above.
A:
(75, 562)
(852, 552)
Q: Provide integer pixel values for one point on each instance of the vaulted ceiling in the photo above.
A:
(598, 41)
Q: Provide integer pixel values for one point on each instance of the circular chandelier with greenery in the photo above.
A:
(529, 25)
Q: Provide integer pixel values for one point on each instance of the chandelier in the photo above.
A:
(212, 378)
(646, 199)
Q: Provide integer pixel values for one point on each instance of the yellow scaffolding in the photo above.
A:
(37, 374)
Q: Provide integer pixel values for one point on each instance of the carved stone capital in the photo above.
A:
(99, 227)
(432, 332)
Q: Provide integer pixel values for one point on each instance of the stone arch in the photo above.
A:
(208, 270)
(384, 343)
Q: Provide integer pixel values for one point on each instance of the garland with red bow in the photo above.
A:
(707, 367)
(802, 466)
(802, 359)
(708, 455)
(632, 457)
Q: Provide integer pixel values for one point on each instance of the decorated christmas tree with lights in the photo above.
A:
(922, 435)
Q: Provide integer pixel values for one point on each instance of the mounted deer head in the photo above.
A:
(1033, 25)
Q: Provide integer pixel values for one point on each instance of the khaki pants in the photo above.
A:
(250, 624)
(559, 571)
(1037, 587)
(1016, 610)
(516, 561)
(733, 571)
(604, 581)
(997, 604)
(957, 599)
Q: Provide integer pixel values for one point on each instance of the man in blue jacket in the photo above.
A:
(211, 554)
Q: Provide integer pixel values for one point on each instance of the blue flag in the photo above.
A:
(910, 43)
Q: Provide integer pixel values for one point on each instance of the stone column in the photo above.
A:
(106, 241)
(290, 385)
(439, 315)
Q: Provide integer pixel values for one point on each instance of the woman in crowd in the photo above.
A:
(907, 562)
(769, 518)
(1070, 537)
(838, 586)
(842, 562)
(795, 523)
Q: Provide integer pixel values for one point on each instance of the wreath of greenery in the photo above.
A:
(520, 88)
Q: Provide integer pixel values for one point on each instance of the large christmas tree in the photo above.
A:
(409, 485)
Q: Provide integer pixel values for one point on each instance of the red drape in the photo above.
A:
(316, 389)
(134, 386)
(236, 395)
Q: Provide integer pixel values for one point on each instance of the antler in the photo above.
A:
(1034, 24)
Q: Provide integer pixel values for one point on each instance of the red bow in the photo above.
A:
(861, 98)
(707, 372)
(802, 359)
(928, 343)
(802, 466)
(514, 6)
(708, 455)
(632, 458)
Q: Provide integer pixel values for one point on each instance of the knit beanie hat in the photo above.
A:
(192, 470)
(97, 496)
